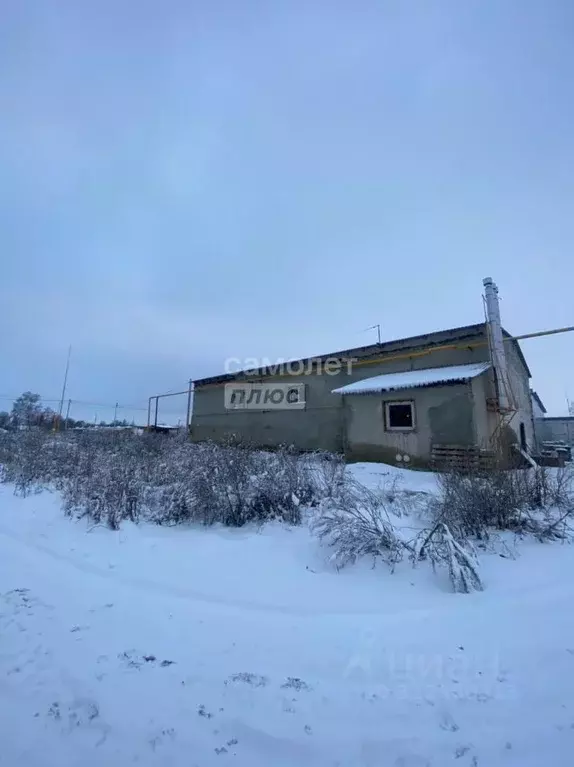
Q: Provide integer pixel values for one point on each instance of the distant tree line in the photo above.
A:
(28, 412)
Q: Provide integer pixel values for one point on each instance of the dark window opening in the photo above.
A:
(399, 415)
(523, 444)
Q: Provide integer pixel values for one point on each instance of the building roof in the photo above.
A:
(437, 338)
(538, 401)
(564, 418)
(414, 379)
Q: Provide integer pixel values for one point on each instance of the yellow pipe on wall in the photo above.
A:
(412, 354)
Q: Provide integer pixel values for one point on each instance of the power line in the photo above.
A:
(112, 405)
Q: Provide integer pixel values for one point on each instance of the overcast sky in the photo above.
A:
(185, 181)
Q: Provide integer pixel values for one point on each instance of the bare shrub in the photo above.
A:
(557, 487)
(356, 523)
(439, 547)
(537, 500)
(359, 522)
(25, 461)
(6, 452)
(235, 485)
(112, 476)
(105, 481)
(328, 475)
(473, 504)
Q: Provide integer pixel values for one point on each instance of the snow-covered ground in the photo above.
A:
(196, 647)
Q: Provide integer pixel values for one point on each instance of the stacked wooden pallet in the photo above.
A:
(461, 458)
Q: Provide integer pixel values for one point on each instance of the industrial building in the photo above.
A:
(554, 435)
(557, 429)
(416, 401)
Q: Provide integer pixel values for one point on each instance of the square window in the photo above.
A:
(400, 416)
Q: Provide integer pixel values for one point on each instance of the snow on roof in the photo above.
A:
(412, 379)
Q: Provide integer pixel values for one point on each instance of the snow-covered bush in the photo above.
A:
(25, 461)
(236, 485)
(328, 475)
(538, 501)
(107, 491)
(442, 550)
(357, 522)
(111, 476)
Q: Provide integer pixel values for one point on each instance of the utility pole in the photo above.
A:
(156, 408)
(187, 420)
(64, 389)
(68, 413)
(116, 412)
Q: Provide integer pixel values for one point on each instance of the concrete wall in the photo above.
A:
(537, 411)
(520, 384)
(443, 415)
(555, 430)
(321, 425)
(482, 388)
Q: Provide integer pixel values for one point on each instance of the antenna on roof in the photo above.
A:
(378, 327)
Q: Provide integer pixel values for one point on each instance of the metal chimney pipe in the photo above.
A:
(497, 342)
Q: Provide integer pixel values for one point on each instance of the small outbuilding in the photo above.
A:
(417, 415)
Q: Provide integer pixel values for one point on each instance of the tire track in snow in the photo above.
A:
(150, 586)
(472, 604)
